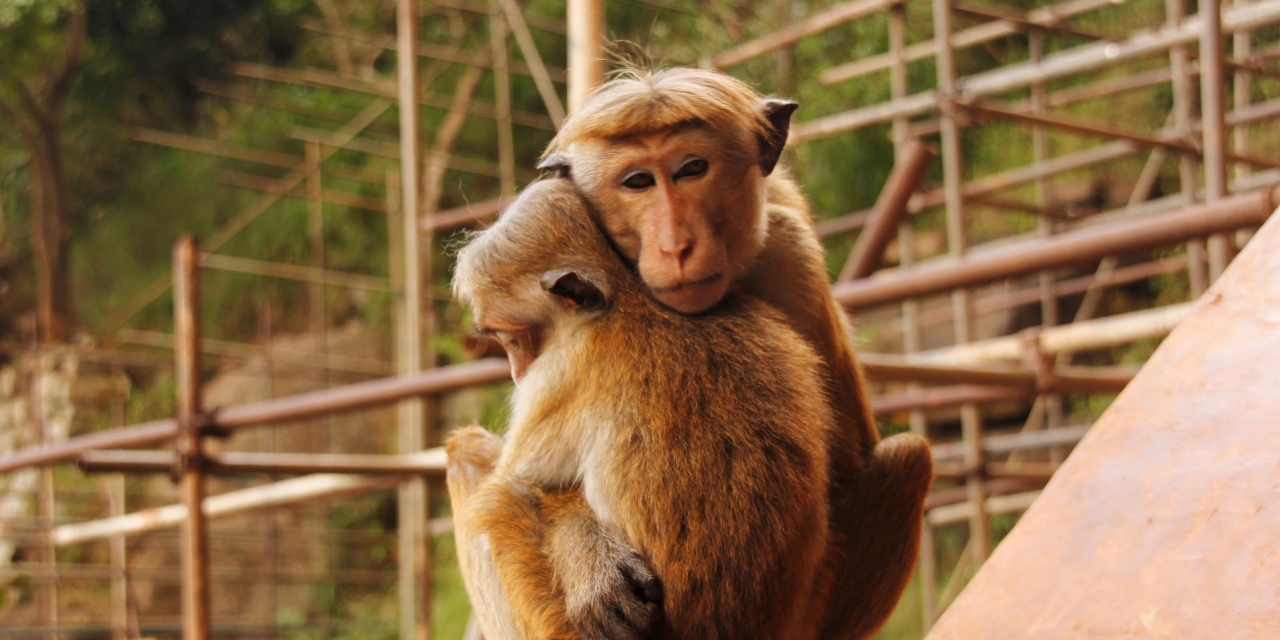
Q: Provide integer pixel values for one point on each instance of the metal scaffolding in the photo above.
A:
(977, 378)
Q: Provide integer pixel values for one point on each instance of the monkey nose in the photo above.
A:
(677, 251)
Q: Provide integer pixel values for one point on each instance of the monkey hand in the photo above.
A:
(610, 591)
(621, 600)
(472, 453)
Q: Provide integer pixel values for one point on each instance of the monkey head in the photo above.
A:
(674, 163)
(541, 271)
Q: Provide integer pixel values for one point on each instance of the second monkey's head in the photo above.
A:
(674, 162)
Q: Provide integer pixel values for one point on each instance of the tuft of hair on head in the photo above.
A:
(626, 56)
(636, 101)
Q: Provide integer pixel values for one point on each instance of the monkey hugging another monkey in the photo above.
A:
(698, 435)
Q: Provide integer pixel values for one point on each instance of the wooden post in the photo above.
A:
(414, 588)
(586, 49)
(194, 535)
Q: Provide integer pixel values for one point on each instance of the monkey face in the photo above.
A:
(683, 205)
(539, 273)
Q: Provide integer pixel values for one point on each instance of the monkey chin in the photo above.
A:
(693, 297)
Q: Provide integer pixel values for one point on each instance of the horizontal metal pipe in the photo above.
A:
(429, 462)
(304, 405)
(1072, 247)
(1018, 76)
(1066, 379)
(364, 394)
(1077, 336)
(285, 492)
(984, 32)
(817, 23)
(942, 397)
(1011, 442)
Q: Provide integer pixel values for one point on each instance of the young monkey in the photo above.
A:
(698, 441)
(680, 168)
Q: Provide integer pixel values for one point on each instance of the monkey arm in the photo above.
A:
(499, 538)
(505, 511)
(600, 584)
(472, 455)
(609, 590)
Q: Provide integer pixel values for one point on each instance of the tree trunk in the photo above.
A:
(49, 235)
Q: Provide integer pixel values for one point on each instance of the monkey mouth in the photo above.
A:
(687, 285)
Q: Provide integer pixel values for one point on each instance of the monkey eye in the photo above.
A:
(694, 168)
(638, 180)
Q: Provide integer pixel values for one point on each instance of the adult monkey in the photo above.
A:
(699, 441)
(681, 167)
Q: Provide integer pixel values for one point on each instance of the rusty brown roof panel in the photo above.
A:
(1165, 521)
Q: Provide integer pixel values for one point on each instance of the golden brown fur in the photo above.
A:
(700, 440)
(741, 223)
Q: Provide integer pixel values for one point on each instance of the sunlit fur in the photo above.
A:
(639, 102)
(701, 440)
(758, 231)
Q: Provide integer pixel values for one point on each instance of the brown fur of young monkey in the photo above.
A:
(701, 440)
(680, 166)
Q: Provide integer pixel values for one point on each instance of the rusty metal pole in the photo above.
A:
(502, 98)
(912, 160)
(316, 291)
(1212, 108)
(957, 241)
(1242, 80)
(194, 535)
(46, 505)
(1045, 228)
(414, 586)
(1175, 11)
(586, 49)
(927, 565)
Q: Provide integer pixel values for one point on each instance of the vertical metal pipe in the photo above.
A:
(1241, 50)
(1175, 11)
(316, 290)
(46, 506)
(1040, 151)
(1212, 110)
(971, 432)
(194, 534)
(927, 566)
(957, 241)
(414, 590)
(1045, 227)
(113, 487)
(502, 98)
(586, 49)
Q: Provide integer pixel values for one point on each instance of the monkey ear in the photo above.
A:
(557, 163)
(574, 292)
(778, 112)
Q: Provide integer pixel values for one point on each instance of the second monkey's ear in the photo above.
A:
(556, 163)
(778, 112)
(573, 291)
